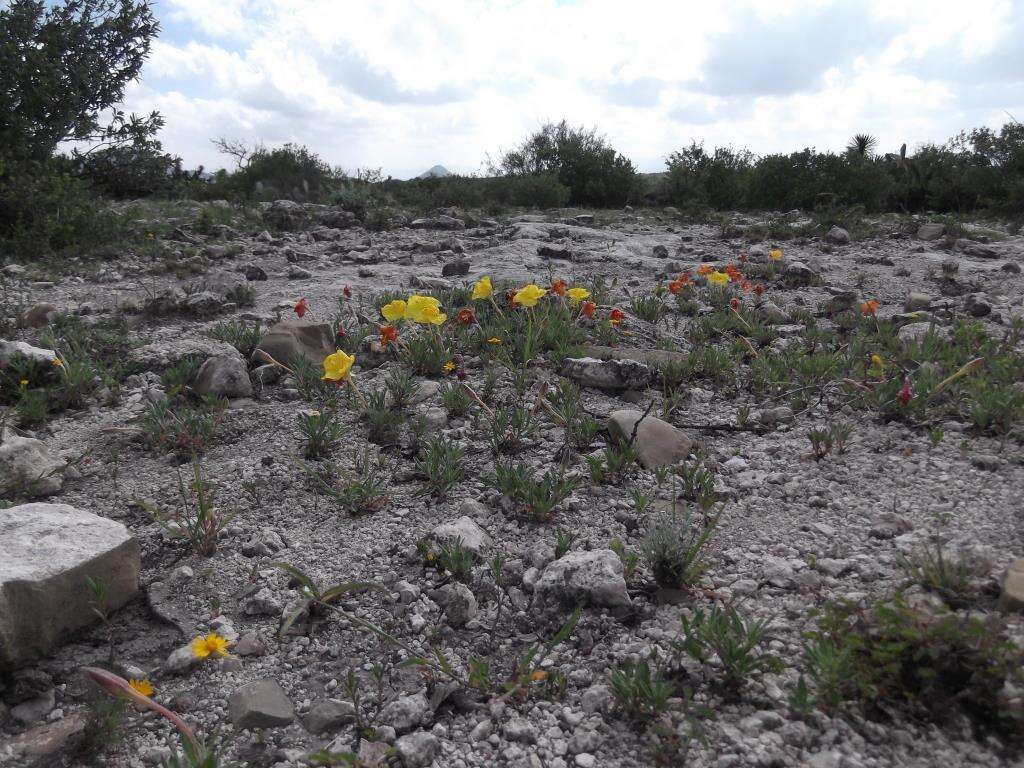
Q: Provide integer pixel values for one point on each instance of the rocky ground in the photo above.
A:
(793, 532)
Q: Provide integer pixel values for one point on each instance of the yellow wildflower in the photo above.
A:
(494, 340)
(338, 366)
(58, 362)
(24, 383)
(538, 675)
(529, 295)
(424, 309)
(448, 367)
(576, 295)
(207, 645)
(877, 362)
(393, 311)
(142, 686)
(482, 289)
(775, 254)
(718, 278)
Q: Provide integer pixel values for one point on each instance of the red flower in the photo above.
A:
(559, 287)
(466, 316)
(340, 332)
(868, 308)
(301, 308)
(746, 285)
(743, 257)
(616, 316)
(675, 287)
(734, 303)
(759, 290)
(733, 273)
(906, 392)
(460, 374)
(347, 292)
(388, 333)
(510, 299)
(587, 309)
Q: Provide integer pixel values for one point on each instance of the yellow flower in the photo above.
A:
(424, 309)
(24, 382)
(877, 362)
(718, 278)
(775, 254)
(538, 675)
(448, 367)
(494, 340)
(393, 311)
(338, 366)
(576, 295)
(206, 645)
(142, 686)
(58, 362)
(482, 289)
(529, 295)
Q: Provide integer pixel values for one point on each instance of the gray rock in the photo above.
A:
(203, 304)
(837, 235)
(260, 704)
(798, 273)
(931, 230)
(254, 272)
(28, 469)
(772, 314)
(181, 660)
(977, 250)
(164, 354)
(889, 525)
(660, 252)
(285, 214)
(263, 603)
(520, 729)
(597, 698)
(298, 273)
(608, 374)
(1012, 596)
(594, 577)
(288, 339)
(250, 644)
(456, 267)
(916, 332)
(328, 715)
(438, 222)
(1012, 267)
(46, 553)
(35, 709)
(657, 442)
(10, 350)
(472, 536)
(458, 602)
(38, 315)
(417, 750)
(917, 302)
(405, 713)
(977, 305)
(224, 376)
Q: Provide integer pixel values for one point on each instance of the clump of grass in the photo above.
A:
(401, 385)
(440, 463)
(455, 399)
(536, 499)
(186, 430)
(949, 577)
(244, 337)
(642, 693)
(733, 639)
(510, 429)
(196, 518)
(361, 491)
(384, 422)
(673, 549)
(321, 431)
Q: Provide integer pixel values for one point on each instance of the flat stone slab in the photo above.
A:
(46, 553)
(657, 443)
(261, 704)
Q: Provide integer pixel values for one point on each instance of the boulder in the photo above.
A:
(39, 315)
(608, 374)
(439, 222)
(593, 577)
(328, 715)
(164, 354)
(977, 305)
(417, 750)
(472, 536)
(224, 376)
(285, 214)
(46, 553)
(27, 468)
(657, 442)
(288, 339)
(9, 350)
(798, 273)
(261, 704)
(1012, 596)
(837, 235)
(917, 302)
(916, 332)
(458, 602)
(930, 230)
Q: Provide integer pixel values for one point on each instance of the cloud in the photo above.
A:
(405, 84)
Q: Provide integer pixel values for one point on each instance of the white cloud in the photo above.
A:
(404, 84)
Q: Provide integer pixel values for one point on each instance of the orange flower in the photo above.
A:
(675, 287)
(559, 287)
(388, 333)
(869, 308)
(684, 278)
(705, 269)
(301, 308)
(510, 299)
(347, 292)
(466, 316)
(734, 303)
(746, 285)
(587, 310)
(743, 257)
(759, 290)
(616, 316)
(734, 274)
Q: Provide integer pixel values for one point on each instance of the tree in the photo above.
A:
(65, 66)
(580, 159)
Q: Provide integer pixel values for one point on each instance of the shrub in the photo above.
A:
(733, 638)
(673, 549)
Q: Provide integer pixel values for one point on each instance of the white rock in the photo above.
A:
(593, 577)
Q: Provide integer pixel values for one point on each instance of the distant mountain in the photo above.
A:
(436, 172)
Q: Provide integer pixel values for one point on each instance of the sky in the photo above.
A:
(402, 85)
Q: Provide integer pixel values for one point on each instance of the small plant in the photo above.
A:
(101, 608)
(733, 638)
(698, 484)
(185, 431)
(563, 542)
(537, 498)
(841, 433)
(321, 431)
(244, 337)
(440, 462)
(196, 518)
(821, 442)
(640, 692)
(455, 558)
(935, 435)
(425, 354)
(402, 387)
(455, 399)
(383, 421)
(630, 560)
(642, 501)
(510, 428)
(179, 378)
(650, 308)
(948, 577)
(361, 491)
(673, 549)
(316, 599)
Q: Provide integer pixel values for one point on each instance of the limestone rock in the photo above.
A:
(930, 231)
(593, 577)
(328, 715)
(46, 553)
(12, 349)
(405, 713)
(261, 704)
(657, 442)
(1012, 596)
(224, 376)
(289, 339)
(39, 315)
(458, 602)
(472, 536)
(837, 235)
(417, 750)
(28, 468)
(608, 374)
(164, 354)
